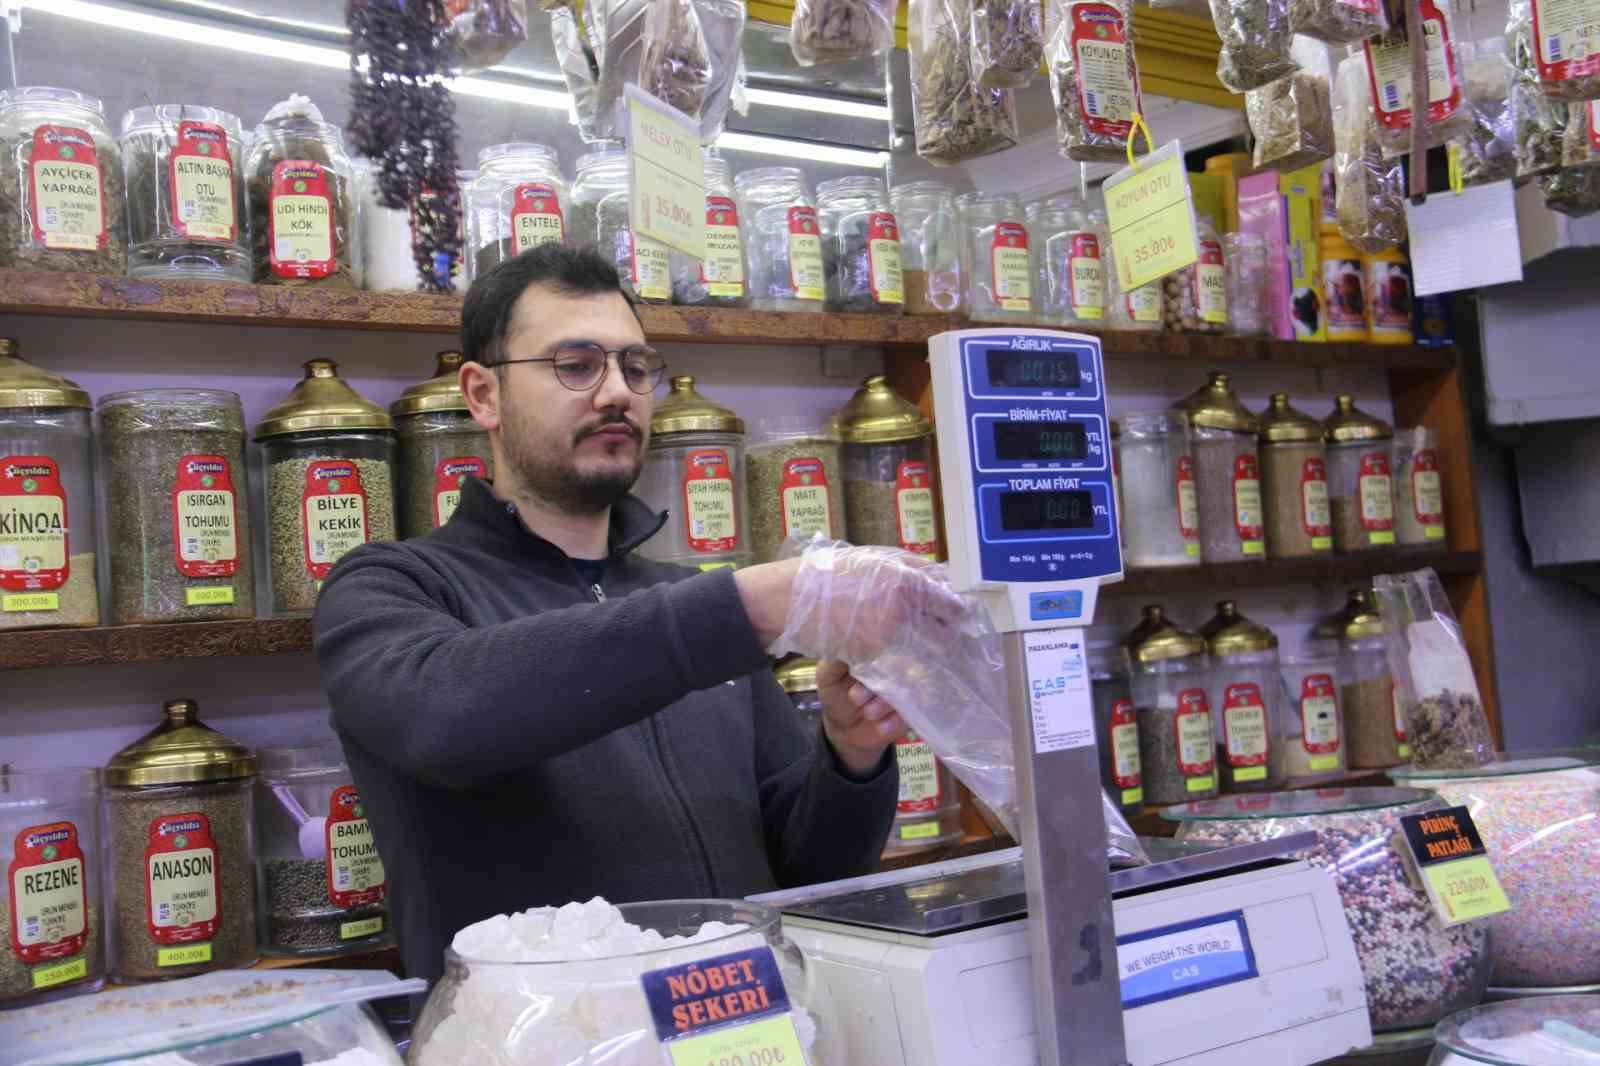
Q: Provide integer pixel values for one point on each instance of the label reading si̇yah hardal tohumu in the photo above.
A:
(710, 522)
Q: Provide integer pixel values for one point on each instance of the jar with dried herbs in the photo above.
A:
(1068, 242)
(302, 203)
(954, 119)
(440, 446)
(600, 206)
(1222, 439)
(861, 246)
(188, 216)
(1256, 39)
(1294, 482)
(1418, 488)
(1375, 729)
(1249, 310)
(1292, 118)
(995, 258)
(717, 280)
(61, 183)
(1007, 42)
(177, 495)
(930, 252)
(1116, 724)
(1389, 67)
(1360, 489)
(1338, 21)
(695, 472)
(1094, 79)
(1171, 682)
(828, 31)
(517, 202)
(1247, 699)
(783, 241)
(329, 454)
(888, 472)
(795, 484)
(1161, 510)
(47, 501)
(180, 814)
(1316, 743)
(1137, 309)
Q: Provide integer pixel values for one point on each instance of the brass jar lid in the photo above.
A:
(322, 401)
(1350, 423)
(24, 385)
(685, 410)
(1231, 633)
(179, 751)
(1281, 423)
(1157, 637)
(796, 675)
(877, 415)
(1358, 619)
(442, 392)
(1216, 406)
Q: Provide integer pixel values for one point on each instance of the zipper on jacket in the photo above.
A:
(599, 593)
(656, 747)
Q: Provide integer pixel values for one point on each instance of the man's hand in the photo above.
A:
(858, 722)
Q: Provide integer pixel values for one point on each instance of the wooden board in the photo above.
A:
(33, 648)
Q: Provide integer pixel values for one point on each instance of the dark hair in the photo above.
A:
(486, 313)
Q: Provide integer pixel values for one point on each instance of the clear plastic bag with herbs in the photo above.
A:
(1338, 21)
(1540, 122)
(1574, 192)
(1563, 62)
(1580, 147)
(1488, 153)
(1094, 78)
(1007, 42)
(828, 31)
(677, 58)
(1256, 39)
(483, 32)
(1369, 189)
(1388, 60)
(1292, 118)
(954, 119)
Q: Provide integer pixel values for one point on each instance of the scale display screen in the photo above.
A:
(1041, 441)
(1022, 511)
(1033, 369)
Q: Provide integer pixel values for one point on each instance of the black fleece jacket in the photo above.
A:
(522, 739)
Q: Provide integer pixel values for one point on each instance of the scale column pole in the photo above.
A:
(1076, 994)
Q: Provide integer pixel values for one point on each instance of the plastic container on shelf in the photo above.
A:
(1316, 749)
(1416, 971)
(928, 811)
(1227, 472)
(1344, 299)
(1294, 482)
(1388, 297)
(1160, 496)
(1137, 309)
(387, 260)
(188, 216)
(1375, 729)
(302, 199)
(888, 470)
(795, 481)
(180, 821)
(718, 280)
(695, 472)
(995, 258)
(52, 917)
(517, 202)
(600, 206)
(930, 247)
(1360, 486)
(320, 886)
(48, 550)
(1195, 299)
(440, 446)
(1070, 245)
(860, 246)
(1249, 311)
(798, 678)
(1171, 683)
(1536, 813)
(1541, 1031)
(1418, 489)
(782, 240)
(329, 458)
(1247, 701)
(1116, 724)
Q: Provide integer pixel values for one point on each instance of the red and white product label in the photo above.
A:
(709, 507)
(1319, 714)
(67, 202)
(1247, 517)
(535, 217)
(1126, 769)
(722, 270)
(1108, 92)
(1197, 751)
(1377, 493)
(1188, 500)
(1401, 736)
(205, 522)
(182, 883)
(913, 499)
(1427, 493)
(649, 268)
(1389, 70)
(1567, 33)
(1315, 515)
(1010, 273)
(1371, 7)
(804, 498)
(34, 554)
(1086, 278)
(1244, 724)
(301, 219)
(806, 273)
(919, 775)
(448, 477)
(1143, 304)
(886, 278)
(334, 514)
(49, 894)
(1211, 285)
(355, 872)
(200, 171)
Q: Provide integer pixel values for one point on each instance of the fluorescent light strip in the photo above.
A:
(812, 153)
(823, 105)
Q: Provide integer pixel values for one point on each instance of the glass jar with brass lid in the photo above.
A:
(180, 819)
(329, 454)
(1171, 683)
(1294, 482)
(1375, 728)
(1314, 691)
(440, 446)
(1247, 695)
(1360, 488)
(695, 473)
(47, 544)
(798, 678)
(1222, 439)
(1116, 725)
(888, 471)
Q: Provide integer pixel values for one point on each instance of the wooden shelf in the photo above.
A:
(227, 303)
(386, 958)
(1224, 576)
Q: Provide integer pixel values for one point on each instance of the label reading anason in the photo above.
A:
(1319, 714)
(205, 517)
(806, 274)
(355, 872)
(448, 477)
(334, 512)
(33, 525)
(201, 174)
(913, 499)
(722, 270)
(535, 217)
(1010, 273)
(67, 201)
(919, 775)
(804, 492)
(182, 893)
(710, 521)
(1086, 277)
(1108, 96)
(886, 278)
(49, 894)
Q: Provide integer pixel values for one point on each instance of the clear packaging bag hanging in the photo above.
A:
(953, 118)
(830, 31)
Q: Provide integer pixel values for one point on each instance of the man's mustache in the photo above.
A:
(615, 420)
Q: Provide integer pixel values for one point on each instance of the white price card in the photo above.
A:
(1058, 687)
(1150, 210)
(668, 175)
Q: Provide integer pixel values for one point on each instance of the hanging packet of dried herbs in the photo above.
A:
(677, 60)
(1292, 118)
(1338, 21)
(954, 119)
(1563, 40)
(828, 31)
(1094, 78)
(1368, 188)
(1007, 42)
(1255, 42)
(1488, 152)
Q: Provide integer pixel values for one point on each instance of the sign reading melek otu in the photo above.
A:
(713, 992)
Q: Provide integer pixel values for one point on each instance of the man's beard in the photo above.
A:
(555, 477)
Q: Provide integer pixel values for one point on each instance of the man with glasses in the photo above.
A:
(533, 713)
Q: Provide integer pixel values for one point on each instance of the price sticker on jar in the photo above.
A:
(1150, 208)
(668, 204)
(722, 1010)
(1448, 858)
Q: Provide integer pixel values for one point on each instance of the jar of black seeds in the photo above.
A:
(321, 888)
(179, 805)
(441, 445)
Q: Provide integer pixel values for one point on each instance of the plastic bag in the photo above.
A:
(676, 68)
(1338, 21)
(483, 32)
(1369, 195)
(1433, 678)
(1007, 42)
(1564, 59)
(1574, 192)
(954, 119)
(1581, 145)
(932, 653)
(723, 24)
(1292, 118)
(1094, 78)
(1255, 42)
(827, 31)
(1488, 152)
(1389, 65)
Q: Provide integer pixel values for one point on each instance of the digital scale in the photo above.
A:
(1205, 958)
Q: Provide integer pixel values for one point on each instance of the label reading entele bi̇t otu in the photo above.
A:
(535, 217)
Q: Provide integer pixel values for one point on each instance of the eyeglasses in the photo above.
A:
(581, 365)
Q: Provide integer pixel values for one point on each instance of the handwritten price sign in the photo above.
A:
(669, 184)
(1151, 213)
(770, 1042)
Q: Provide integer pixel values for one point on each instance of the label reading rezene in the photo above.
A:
(49, 902)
